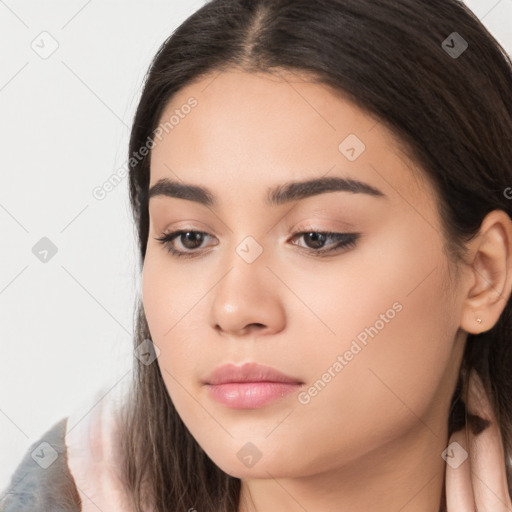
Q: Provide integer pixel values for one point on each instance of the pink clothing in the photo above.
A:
(92, 451)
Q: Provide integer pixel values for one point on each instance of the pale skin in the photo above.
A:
(372, 439)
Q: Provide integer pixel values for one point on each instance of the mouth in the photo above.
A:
(249, 386)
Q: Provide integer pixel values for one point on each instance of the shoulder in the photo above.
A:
(42, 481)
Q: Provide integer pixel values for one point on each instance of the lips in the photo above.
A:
(248, 372)
(249, 386)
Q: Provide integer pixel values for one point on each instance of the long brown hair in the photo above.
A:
(453, 115)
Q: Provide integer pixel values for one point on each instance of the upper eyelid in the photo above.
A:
(302, 230)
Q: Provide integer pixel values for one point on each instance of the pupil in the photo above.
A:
(318, 238)
(194, 237)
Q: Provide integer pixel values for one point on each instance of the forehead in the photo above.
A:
(234, 131)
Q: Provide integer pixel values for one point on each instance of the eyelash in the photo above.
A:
(345, 240)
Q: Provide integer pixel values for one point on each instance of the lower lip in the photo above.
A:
(250, 395)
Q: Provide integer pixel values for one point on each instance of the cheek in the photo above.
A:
(395, 327)
(410, 270)
(164, 298)
(154, 298)
(172, 300)
(169, 290)
(398, 379)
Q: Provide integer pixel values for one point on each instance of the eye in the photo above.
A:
(316, 240)
(191, 240)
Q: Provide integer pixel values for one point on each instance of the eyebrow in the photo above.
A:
(281, 194)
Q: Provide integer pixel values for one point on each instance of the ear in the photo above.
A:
(490, 273)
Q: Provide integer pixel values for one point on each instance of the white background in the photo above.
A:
(66, 325)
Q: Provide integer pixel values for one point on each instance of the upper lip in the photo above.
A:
(248, 372)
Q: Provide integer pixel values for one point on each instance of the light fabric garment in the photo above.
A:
(94, 453)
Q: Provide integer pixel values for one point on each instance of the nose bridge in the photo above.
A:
(247, 235)
(250, 250)
(247, 264)
(246, 296)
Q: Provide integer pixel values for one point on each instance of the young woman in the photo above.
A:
(322, 196)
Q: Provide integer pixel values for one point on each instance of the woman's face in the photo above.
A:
(370, 330)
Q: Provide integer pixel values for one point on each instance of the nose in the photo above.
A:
(247, 301)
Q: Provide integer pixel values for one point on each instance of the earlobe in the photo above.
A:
(490, 272)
